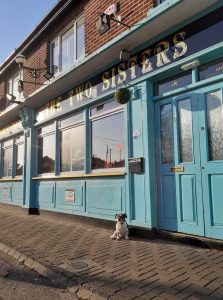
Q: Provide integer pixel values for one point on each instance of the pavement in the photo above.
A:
(89, 264)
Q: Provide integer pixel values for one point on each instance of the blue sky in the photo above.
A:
(18, 18)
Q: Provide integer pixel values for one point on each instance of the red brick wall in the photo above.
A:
(131, 11)
(38, 54)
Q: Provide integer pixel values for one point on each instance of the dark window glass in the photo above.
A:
(108, 142)
(46, 154)
(172, 83)
(72, 149)
(211, 69)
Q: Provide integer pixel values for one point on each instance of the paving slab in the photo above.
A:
(87, 262)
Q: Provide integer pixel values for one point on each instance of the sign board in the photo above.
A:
(111, 10)
(70, 195)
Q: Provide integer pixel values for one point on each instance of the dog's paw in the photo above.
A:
(126, 238)
(112, 237)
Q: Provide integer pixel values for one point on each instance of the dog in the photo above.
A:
(121, 229)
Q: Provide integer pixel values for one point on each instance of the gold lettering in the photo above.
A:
(88, 90)
(71, 97)
(57, 103)
(79, 93)
(113, 78)
(106, 82)
(132, 65)
(121, 73)
(178, 41)
(146, 64)
(160, 51)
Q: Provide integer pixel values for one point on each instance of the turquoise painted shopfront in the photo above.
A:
(73, 153)
(190, 162)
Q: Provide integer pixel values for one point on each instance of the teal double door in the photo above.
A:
(189, 159)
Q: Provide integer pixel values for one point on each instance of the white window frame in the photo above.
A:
(59, 40)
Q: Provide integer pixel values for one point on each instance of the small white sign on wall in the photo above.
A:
(70, 195)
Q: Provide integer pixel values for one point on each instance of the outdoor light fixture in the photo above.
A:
(124, 55)
(34, 73)
(11, 98)
(190, 65)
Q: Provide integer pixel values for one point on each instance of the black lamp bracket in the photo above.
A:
(113, 19)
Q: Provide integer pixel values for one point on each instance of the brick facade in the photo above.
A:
(131, 11)
(38, 52)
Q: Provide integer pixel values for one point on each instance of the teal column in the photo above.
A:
(27, 117)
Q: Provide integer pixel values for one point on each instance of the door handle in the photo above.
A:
(177, 169)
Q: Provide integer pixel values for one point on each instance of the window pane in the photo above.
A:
(55, 57)
(7, 160)
(166, 133)
(80, 38)
(72, 120)
(172, 83)
(46, 129)
(19, 159)
(211, 69)
(46, 154)
(72, 149)
(108, 146)
(68, 49)
(185, 131)
(102, 108)
(215, 125)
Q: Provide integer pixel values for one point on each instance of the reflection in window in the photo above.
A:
(80, 38)
(215, 124)
(67, 49)
(108, 142)
(46, 154)
(172, 83)
(166, 132)
(72, 149)
(185, 130)
(55, 57)
(7, 162)
(19, 159)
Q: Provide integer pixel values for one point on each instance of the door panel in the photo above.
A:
(190, 163)
(187, 156)
(165, 159)
(212, 161)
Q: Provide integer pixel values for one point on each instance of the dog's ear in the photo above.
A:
(124, 215)
(116, 216)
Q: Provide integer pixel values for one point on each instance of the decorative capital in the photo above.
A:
(27, 117)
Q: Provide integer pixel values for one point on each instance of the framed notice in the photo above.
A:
(70, 195)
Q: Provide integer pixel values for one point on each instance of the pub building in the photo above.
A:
(117, 107)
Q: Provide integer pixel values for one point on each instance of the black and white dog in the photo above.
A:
(121, 229)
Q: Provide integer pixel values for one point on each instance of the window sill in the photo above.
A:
(112, 174)
(10, 179)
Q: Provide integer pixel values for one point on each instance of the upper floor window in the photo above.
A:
(68, 47)
(12, 87)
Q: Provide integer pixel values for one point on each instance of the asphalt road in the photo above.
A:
(19, 283)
